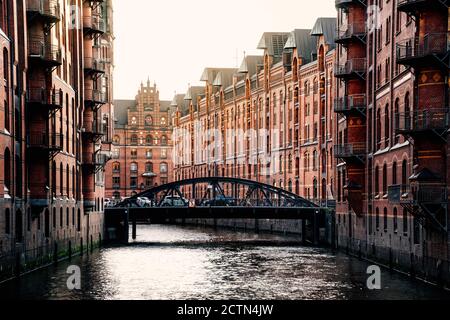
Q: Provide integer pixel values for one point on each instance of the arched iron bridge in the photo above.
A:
(217, 192)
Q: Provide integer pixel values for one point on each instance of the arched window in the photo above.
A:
(149, 140)
(378, 130)
(18, 177)
(404, 175)
(315, 160)
(290, 186)
(290, 163)
(387, 133)
(116, 167)
(149, 167)
(134, 139)
(133, 121)
(407, 120)
(116, 140)
(67, 180)
(7, 169)
(163, 168)
(377, 180)
(384, 179)
(134, 167)
(61, 179)
(6, 81)
(163, 121)
(164, 141)
(396, 119)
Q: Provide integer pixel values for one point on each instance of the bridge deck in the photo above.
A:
(158, 213)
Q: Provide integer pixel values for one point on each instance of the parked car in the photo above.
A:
(144, 202)
(220, 201)
(174, 201)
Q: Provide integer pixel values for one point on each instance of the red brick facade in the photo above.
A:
(269, 121)
(142, 145)
(55, 122)
(392, 167)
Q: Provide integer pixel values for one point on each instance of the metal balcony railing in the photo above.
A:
(346, 104)
(412, 49)
(47, 9)
(350, 32)
(416, 5)
(422, 193)
(94, 65)
(350, 150)
(345, 3)
(94, 24)
(350, 68)
(52, 142)
(46, 52)
(94, 96)
(423, 120)
(52, 98)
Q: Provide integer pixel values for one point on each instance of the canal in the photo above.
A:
(172, 262)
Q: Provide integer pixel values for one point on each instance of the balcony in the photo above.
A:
(45, 10)
(414, 6)
(93, 25)
(96, 161)
(53, 142)
(94, 98)
(44, 53)
(94, 66)
(49, 99)
(94, 132)
(351, 104)
(351, 152)
(430, 50)
(427, 202)
(351, 33)
(342, 4)
(352, 69)
(426, 123)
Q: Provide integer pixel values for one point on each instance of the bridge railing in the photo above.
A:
(228, 202)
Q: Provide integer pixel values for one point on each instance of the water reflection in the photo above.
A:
(168, 262)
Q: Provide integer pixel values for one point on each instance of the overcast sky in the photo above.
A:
(171, 41)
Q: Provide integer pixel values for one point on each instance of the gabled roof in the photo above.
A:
(250, 64)
(210, 74)
(121, 110)
(191, 95)
(327, 28)
(274, 43)
(304, 42)
(224, 78)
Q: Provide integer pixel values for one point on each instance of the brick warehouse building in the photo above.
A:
(392, 124)
(270, 120)
(142, 144)
(55, 125)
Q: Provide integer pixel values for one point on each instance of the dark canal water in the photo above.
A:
(170, 262)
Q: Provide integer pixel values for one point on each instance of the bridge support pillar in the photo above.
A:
(315, 229)
(133, 221)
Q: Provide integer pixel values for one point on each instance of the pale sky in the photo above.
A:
(172, 41)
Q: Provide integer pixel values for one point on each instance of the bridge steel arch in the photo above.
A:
(235, 192)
